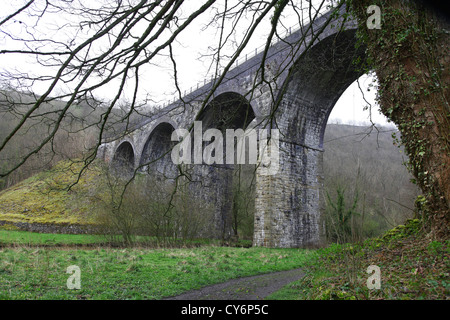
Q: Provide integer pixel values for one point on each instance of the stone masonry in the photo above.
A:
(301, 90)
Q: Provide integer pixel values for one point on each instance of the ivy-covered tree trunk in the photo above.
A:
(410, 55)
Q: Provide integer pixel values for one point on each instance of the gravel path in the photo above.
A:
(248, 288)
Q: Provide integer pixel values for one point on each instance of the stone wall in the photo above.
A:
(297, 97)
(51, 228)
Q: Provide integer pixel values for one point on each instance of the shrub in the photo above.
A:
(339, 219)
(165, 211)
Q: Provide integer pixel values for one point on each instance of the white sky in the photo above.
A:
(349, 109)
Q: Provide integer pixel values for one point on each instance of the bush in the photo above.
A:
(340, 222)
(162, 210)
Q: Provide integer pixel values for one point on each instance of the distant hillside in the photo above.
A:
(365, 162)
(77, 133)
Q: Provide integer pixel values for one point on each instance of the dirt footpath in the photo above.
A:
(248, 288)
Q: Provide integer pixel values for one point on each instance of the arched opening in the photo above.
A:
(364, 175)
(155, 158)
(230, 184)
(292, 204)
(318, 80)
(228, 110)
(123, 160)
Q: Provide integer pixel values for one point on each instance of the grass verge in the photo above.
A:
(412, 267)
(11, 236)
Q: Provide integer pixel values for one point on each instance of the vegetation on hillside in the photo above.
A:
(48, 197)
(367, 186)
(76, 136)
(412, 265)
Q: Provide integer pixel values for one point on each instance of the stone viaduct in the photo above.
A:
(305, 74)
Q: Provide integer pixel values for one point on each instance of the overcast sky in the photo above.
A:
(350, 107)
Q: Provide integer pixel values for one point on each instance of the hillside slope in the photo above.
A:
(46, 198)
(369, 168)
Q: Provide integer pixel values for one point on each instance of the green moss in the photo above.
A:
(411, 227)
(50, 196)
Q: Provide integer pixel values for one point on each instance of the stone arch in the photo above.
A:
(317, 81)
(289, 215)
(228, 110)
(124, 158)
(156, 152)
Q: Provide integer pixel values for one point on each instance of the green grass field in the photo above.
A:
(33, 272)
(24, 238)
(34, 266)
